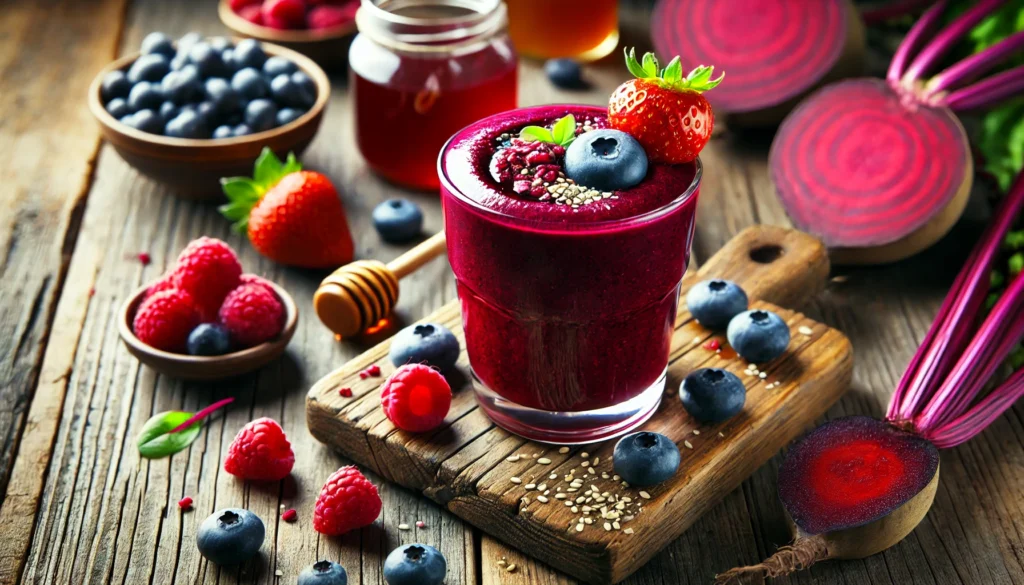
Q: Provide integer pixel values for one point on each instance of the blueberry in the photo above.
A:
(324, 573)
(230, 536)
(275, 66)
(241, 130)
(223, 132)
(157, 43)
(187, 124)
(118, 108)
(607, 160)
(149, 68)
(249, 53)
(206, 110)
(415, 564)
(230, 64)
(261, 115)
(286, 115)
(397, 220)
(169, 110)
(207, 59)
(209, 339)
(712, 395)
(115, 85)
(145, 95)
(758, 336)
(224, 99)
(564, 73)
(183, 86)
(185, 43)
(249, 84)
(220, 44)
(428, 343)
(290, 94)
(146, 121)
(713, 303)
(645, 458)
(306, 83)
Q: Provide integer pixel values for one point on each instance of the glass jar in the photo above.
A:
(420, 71)
(585, 30)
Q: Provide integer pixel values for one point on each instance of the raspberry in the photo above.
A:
(346, 502)
(322, 17)
(165, 319)
(207, 269)
(260, 451)
(253, 279)
(289, 515)
(253, 14)
(252, 315)
(166, 282)
(238, 5)
(283, 14)
(540, 160)
(185, 503)
(416, 398)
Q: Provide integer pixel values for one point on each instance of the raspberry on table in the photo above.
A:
(260, 451)
(251, 314)
(346, 502)
(165, 319)
(416, 398)
(207, 269)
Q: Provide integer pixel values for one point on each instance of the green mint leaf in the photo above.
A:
(673, 71)
(564, 130)
(537, 134)
(156, 440)
(650, 65)
(268, 169)
(633, 65)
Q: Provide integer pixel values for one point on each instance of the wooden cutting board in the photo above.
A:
(468, 465)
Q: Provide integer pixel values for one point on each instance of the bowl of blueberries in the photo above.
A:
(191, 111)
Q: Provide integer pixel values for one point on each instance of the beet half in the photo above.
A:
(775, 51)
(882, 169)
(856, 486)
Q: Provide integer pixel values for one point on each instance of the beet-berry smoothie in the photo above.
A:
(568, 302)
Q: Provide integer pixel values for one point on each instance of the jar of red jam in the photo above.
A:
(420, 71)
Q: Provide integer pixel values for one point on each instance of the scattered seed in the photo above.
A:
(542, 499)
(279, 573)
(688, 444)
(597, 460)
(421, 524)
(544, 461)
(563, 450)
(628, 531)
(553, 476)
(762, 375)
(403, 527)
(585, 455)
(511, 568)
(721, 434)
(516, 480)
(696, 432)
(512, 458)
(530, 486)
(696, 340)
(645, 495)
(805, 330)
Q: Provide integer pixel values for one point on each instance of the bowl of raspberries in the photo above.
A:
(319, 29)
(205, 319)
(189, 111)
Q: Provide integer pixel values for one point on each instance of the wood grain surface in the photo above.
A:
(77, 505)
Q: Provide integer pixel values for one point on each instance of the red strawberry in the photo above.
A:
(292, 216)
(664, 111)
(284, 14)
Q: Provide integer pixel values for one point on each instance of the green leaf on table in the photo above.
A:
(156, 440)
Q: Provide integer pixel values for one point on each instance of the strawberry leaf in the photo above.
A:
(650, 65)
(268, 167)
(671, 77)
(157, 440)
(244, 193)
(633, 65)
(673, 72)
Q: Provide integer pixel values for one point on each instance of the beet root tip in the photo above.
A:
(804, 552)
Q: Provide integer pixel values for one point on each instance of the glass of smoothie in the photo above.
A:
(568, 293)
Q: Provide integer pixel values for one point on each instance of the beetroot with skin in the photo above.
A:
(853, 471)
(773, 50)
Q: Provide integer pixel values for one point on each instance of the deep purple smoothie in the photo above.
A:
(564, 309)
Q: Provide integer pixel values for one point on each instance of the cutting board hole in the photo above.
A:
(766, 254)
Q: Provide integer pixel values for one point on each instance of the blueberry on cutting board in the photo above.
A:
(759, 335)
(428, 343)
(713, 303)
(645, 458)
(415, 564)
(712, 395)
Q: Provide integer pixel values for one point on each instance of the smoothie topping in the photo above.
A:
(663, 110)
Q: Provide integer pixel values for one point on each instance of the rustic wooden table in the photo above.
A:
(78, 505)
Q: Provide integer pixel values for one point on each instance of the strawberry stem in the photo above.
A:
(671, 77)
(202, 414)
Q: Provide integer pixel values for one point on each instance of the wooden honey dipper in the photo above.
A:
(359, 295)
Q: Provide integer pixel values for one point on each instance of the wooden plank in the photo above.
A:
(770, 263)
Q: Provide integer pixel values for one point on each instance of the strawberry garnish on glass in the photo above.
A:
(663, 110)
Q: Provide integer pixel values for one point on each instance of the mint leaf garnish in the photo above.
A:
(562, 133)
(671, 77)
(167, 433)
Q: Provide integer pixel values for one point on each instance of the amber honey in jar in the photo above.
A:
(584, 30)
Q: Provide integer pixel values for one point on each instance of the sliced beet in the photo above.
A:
(772, 51)
(870, 173)
(852, 471)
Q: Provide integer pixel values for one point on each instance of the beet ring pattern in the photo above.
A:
(770, 50)
(858, 168)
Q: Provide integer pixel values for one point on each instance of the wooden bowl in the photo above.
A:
(191, 367)
(328, 47)
(193, 167)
